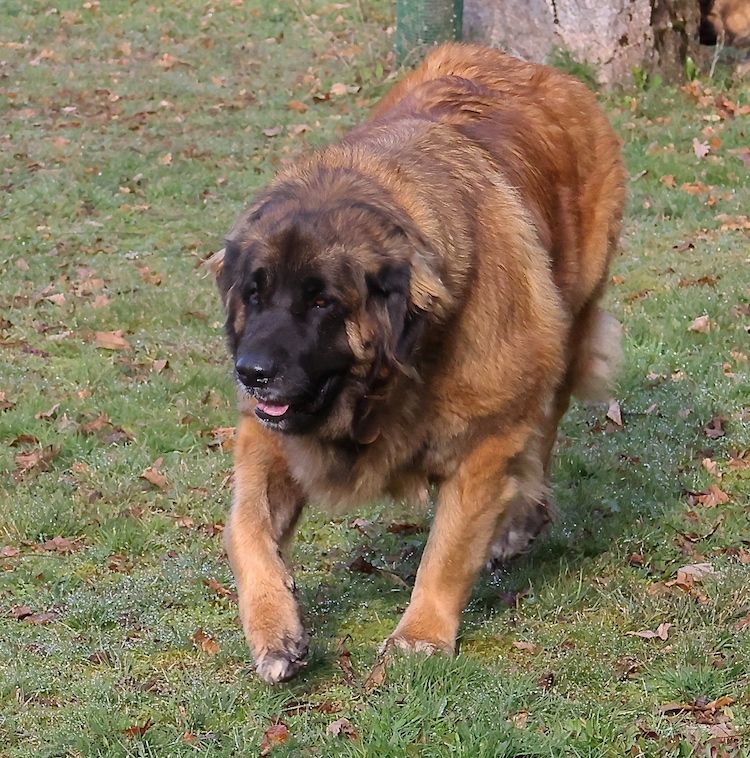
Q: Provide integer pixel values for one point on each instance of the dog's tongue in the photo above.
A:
(272, 410)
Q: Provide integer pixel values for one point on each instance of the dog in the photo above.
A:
(409, 311)
(725, 22)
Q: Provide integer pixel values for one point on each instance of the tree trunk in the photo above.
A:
(614, 37)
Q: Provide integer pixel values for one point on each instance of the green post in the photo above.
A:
(423, 23)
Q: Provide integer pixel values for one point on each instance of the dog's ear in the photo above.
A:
(215, 262)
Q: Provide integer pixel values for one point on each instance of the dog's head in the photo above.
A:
(327, 290)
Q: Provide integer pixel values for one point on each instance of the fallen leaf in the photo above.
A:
(8, 551)
(702, 324)
(711, 466)
(614, 413)
(546, 681)
(111, 340)
(296, 105)
(668, 181)
(695, 188)
(342, 727)
(34, 461)
(701, 149)
(712, 497)
(733, 223)
(527, 647)
(204, 642)
(51, 413)
(138, 730)
(61, 545)
(344, 660)
(338, 89)
(165, 160)
(20, 612)
(216, 586)
(277, 734)
(741, 624)
(714, 428)
(405, 528)
(520, 719)
(376, 677)
(362, 565)
(154, 475)
(273, 131)
(41, 618)
(662, 633)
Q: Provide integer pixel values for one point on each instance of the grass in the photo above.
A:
(132, 133)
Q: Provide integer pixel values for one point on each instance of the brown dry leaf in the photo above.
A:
(111, 340)
(138, 730)
(220, 589)
(61, 545)
(204, 642)
(662, 633)
(273, 131)
(338, 89)
(527, 647)
(695, 188)
(51, 413)
(5, 404)
(741, 624)
(743, 153)
(167, 61)
(41, 618)
(277, 734)
(297, 106)
(100, 301)
(702, 325)
(546, 681)
(298, 129)
(342, 728)
(154, 475)
(404, 528)
(714, 428)
(20, 612)
(733, 223)
(159, 365)
(376, 677)
(184, 522)
(614, 413)
(34, 461)
(165, 160)
(57, 299)
(668, 181)
(148, 276)
(712, 497)
(520, 719)
(8, 551)
(693, 572)
(711, 466)
(344, 660)
(739, 460)
(701, 149)
(222, 438)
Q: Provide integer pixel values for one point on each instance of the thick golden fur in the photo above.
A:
(508, 181)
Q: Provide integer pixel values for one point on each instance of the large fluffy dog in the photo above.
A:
(413, 307)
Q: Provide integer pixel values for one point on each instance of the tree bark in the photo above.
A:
(615, 37)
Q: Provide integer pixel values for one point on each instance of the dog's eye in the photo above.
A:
(321, 302)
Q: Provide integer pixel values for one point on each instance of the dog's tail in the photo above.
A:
(599, 358)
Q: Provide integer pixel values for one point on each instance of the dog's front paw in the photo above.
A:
(414, 645)
(281, 663)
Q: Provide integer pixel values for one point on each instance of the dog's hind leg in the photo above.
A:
(266, 506)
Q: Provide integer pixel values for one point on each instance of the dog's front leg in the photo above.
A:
(266, 505)
(470, 504)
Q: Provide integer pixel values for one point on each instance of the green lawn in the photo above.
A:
(131, 134)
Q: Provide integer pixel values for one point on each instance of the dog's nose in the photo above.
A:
(255, 369)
